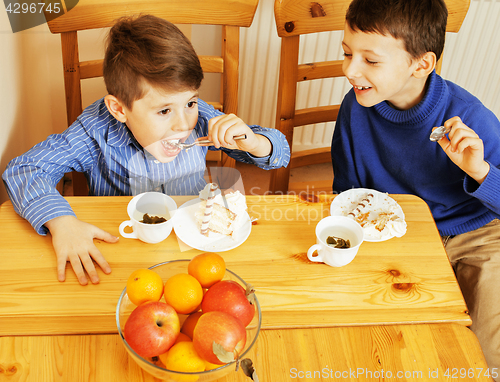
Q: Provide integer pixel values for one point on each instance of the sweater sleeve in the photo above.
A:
(486, 192)
(487, 126)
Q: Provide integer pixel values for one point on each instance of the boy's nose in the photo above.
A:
(181, 124)
(350, 69)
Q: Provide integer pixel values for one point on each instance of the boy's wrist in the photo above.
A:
(263, 148)
(54, 223)
(480, 175)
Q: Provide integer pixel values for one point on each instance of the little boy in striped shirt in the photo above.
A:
(123, 142)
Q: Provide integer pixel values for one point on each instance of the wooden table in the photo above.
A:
(412, 353)
(322, 323)
(402, 280)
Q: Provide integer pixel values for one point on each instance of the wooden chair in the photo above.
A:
(94, 14)
(299, 17)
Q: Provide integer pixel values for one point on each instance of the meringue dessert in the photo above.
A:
(378, 222)
(224, 215)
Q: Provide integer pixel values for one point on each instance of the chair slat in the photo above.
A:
(90, 69)
(309, 157)
(90, 14)
(71, 70)
(319, 70)
(318, 114)
(295, 17)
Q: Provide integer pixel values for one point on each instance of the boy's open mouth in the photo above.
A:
(171, 144)
(361, 87)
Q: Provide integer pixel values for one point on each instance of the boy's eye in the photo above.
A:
(164, 111)
(372, 62)
(191, 104)
(347, 54)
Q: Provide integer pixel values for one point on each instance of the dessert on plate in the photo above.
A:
(220, 213)
(378, 215)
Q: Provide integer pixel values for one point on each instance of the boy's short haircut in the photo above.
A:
(152, 50)
(420, 24)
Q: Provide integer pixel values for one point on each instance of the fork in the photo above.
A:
(439, 133)
(204, 142)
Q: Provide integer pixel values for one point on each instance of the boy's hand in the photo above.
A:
(73, 241)
(223, 128)
(465, 149)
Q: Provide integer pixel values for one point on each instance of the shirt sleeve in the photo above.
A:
(279, 157)
(280, 154)
(31, 178)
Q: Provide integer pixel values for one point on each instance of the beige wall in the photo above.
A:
(30, 96)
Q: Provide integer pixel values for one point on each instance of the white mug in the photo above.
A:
(338, 226)
(154, 204)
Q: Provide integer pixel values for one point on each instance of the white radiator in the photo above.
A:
(471, 59)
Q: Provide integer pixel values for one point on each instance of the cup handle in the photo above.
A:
(127, 223)
(315, 247)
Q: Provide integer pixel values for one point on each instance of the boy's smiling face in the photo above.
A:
(380, 69)
(160, 116)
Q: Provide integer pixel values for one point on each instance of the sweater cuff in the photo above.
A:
(45, 208)
(486, 192)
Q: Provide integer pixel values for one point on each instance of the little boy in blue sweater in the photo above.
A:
(381, 141)
(124, 143)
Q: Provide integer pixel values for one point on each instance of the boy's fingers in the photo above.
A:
(105, 236)
(89, 265)
(78, 269)
(61, 269)
(100, 260)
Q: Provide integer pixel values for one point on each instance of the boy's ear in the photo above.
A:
(425, 65)
(116, 108)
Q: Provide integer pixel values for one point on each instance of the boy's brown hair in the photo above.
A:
(148, 48)
(420, 24)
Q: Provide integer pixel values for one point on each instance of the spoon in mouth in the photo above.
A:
(202, 142)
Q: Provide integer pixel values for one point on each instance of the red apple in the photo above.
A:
(219, 338)
(230, 297)
(152, 329)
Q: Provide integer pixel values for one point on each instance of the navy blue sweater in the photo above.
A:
(389, 150)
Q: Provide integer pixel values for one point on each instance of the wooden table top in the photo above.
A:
(412, 353)
(402, 280)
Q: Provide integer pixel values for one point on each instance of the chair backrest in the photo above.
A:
(96, 14)
(299, 17)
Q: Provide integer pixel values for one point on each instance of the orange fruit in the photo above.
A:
(182, 337)
(189, 324)
(211, 366)
(182, 357)
(208, 268)
(183, 292)
(144, 285)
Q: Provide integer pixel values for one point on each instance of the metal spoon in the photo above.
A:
(204, 142)
(439, 133)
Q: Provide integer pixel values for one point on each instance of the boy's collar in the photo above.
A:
(119, 135)
(435, 89)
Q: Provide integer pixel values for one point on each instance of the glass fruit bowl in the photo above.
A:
(152, 365)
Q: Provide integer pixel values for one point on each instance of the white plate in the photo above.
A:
(188, 231)
(346, 201)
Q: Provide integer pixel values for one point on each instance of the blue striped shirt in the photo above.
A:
(115, 164)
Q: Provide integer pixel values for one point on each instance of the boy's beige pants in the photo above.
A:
(475, 257)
